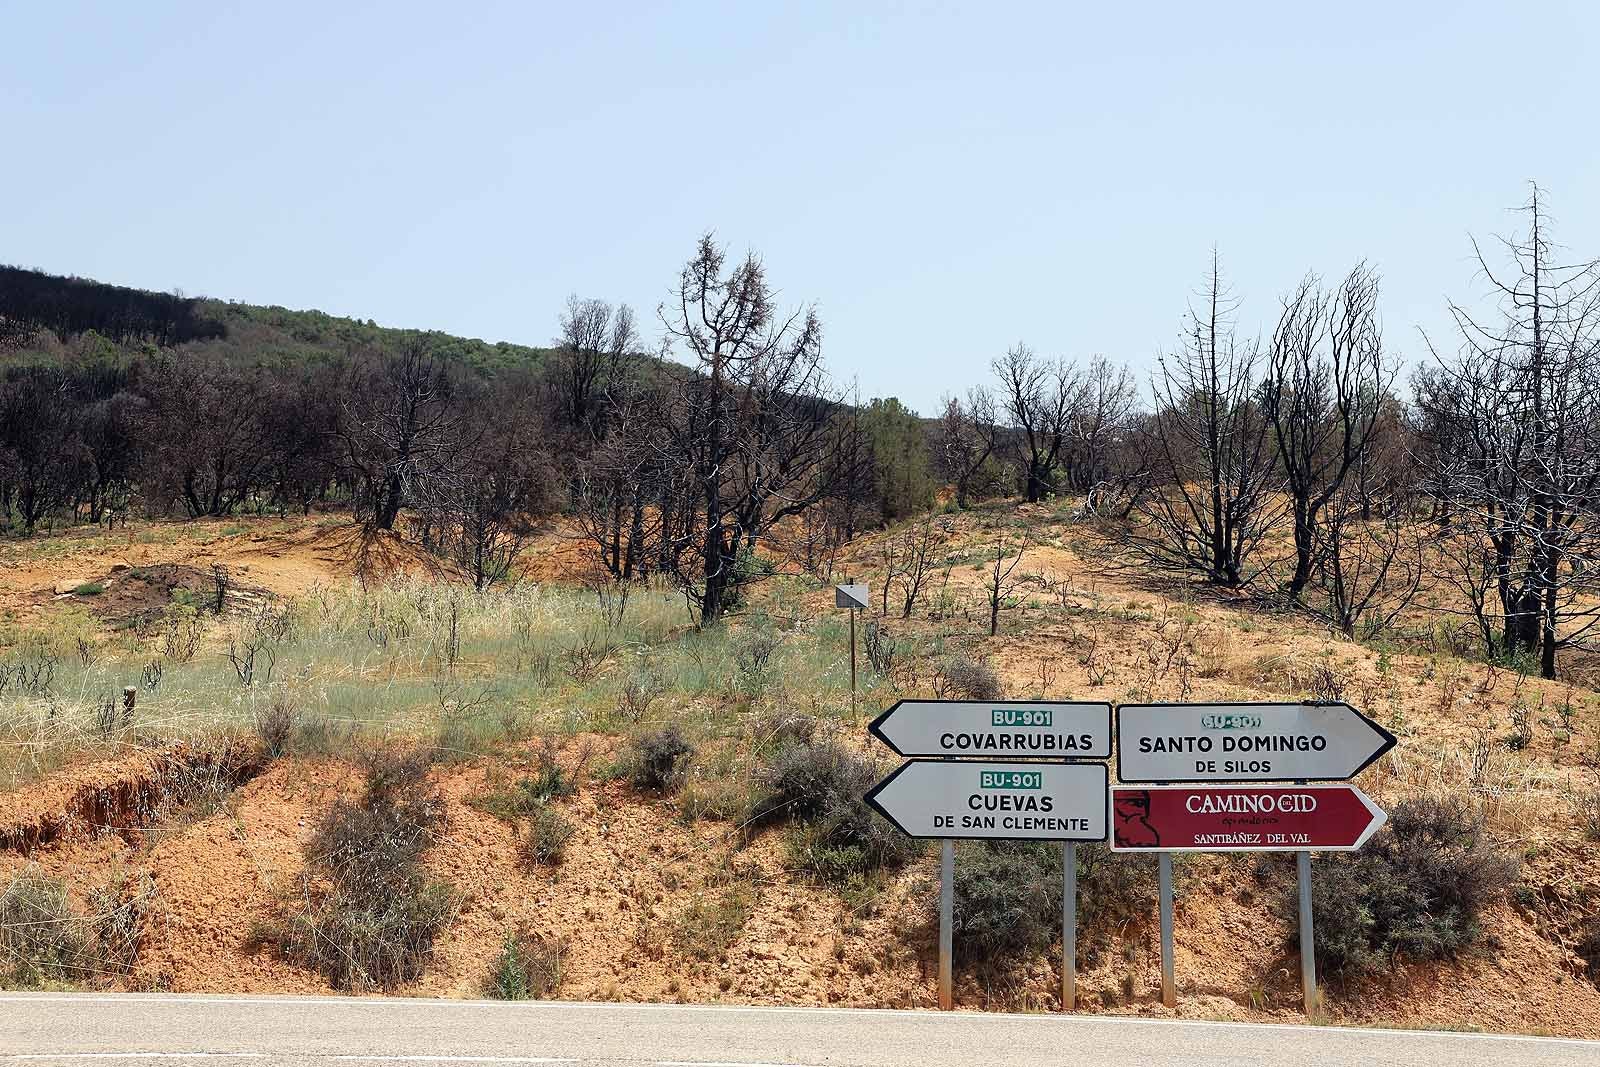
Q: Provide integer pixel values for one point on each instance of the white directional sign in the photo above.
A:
(1004, 729)
(1245, 742)
(1010, 801)
(850, 596)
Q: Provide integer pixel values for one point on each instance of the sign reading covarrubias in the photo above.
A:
(1014, 729)
(1245, 742)
(1011, 801)
(1183, 818)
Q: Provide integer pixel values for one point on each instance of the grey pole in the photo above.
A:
(1169, 986)
(947, 908)
(1308, 944)
(853, 713)
(1069, 926)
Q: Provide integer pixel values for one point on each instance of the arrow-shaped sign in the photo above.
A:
(1007, 729)
(1014, 801)
(1248, 818)
(1245, 742)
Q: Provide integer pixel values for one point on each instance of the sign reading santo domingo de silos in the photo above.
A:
(1008, 801)
(1161, 743)
(1006, 729)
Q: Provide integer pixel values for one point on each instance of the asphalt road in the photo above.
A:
(89, 1030)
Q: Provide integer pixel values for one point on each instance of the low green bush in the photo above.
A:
(527, 968)
(656, 760)
(1415, 891)
(818, 786)
(1008, 899)
(40, 939)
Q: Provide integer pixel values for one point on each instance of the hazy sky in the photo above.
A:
(941, 180)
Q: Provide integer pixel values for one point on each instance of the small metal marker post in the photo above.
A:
(1069, 926)
(853, 713)
(852, 598)
(1169, 985)
(1308, 943)
(947, 909)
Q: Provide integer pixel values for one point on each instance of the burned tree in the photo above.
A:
(400, 429)
(1106, 407)
(752, 424)
(1041, 401)
(594, 341)
(1522, 466)
(967, 438)
(1216, 507)
(1327, 379)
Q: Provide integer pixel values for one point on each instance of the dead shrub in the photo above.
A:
(964, 677)
(369, 913)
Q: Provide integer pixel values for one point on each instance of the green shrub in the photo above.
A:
(548, 834)
(1008, 898)
(89, 589)
(40, 939)
(656, 760)
(819, 786)
(527, 968)
(1414, 892)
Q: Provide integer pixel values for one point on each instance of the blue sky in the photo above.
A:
(942, 180)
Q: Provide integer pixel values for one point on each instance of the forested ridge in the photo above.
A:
(1299, 467)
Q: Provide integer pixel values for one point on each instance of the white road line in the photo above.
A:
(929, 1015)
(724, 1063)
(451, 1059)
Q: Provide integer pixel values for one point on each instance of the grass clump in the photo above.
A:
(548, 834)
(371, 913)
(1414, 892)
(89, 589)
(40, 939)
(707, 927)
(656, 761)
(529, 793)
(528, 968)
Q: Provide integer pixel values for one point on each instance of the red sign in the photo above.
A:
(1200, 818)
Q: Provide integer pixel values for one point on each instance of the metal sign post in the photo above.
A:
(1069, 926)
(852, 597)
(1308, 944)
(1169, 985)
(947, 909)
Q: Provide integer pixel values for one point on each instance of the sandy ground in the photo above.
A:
(634, 865)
